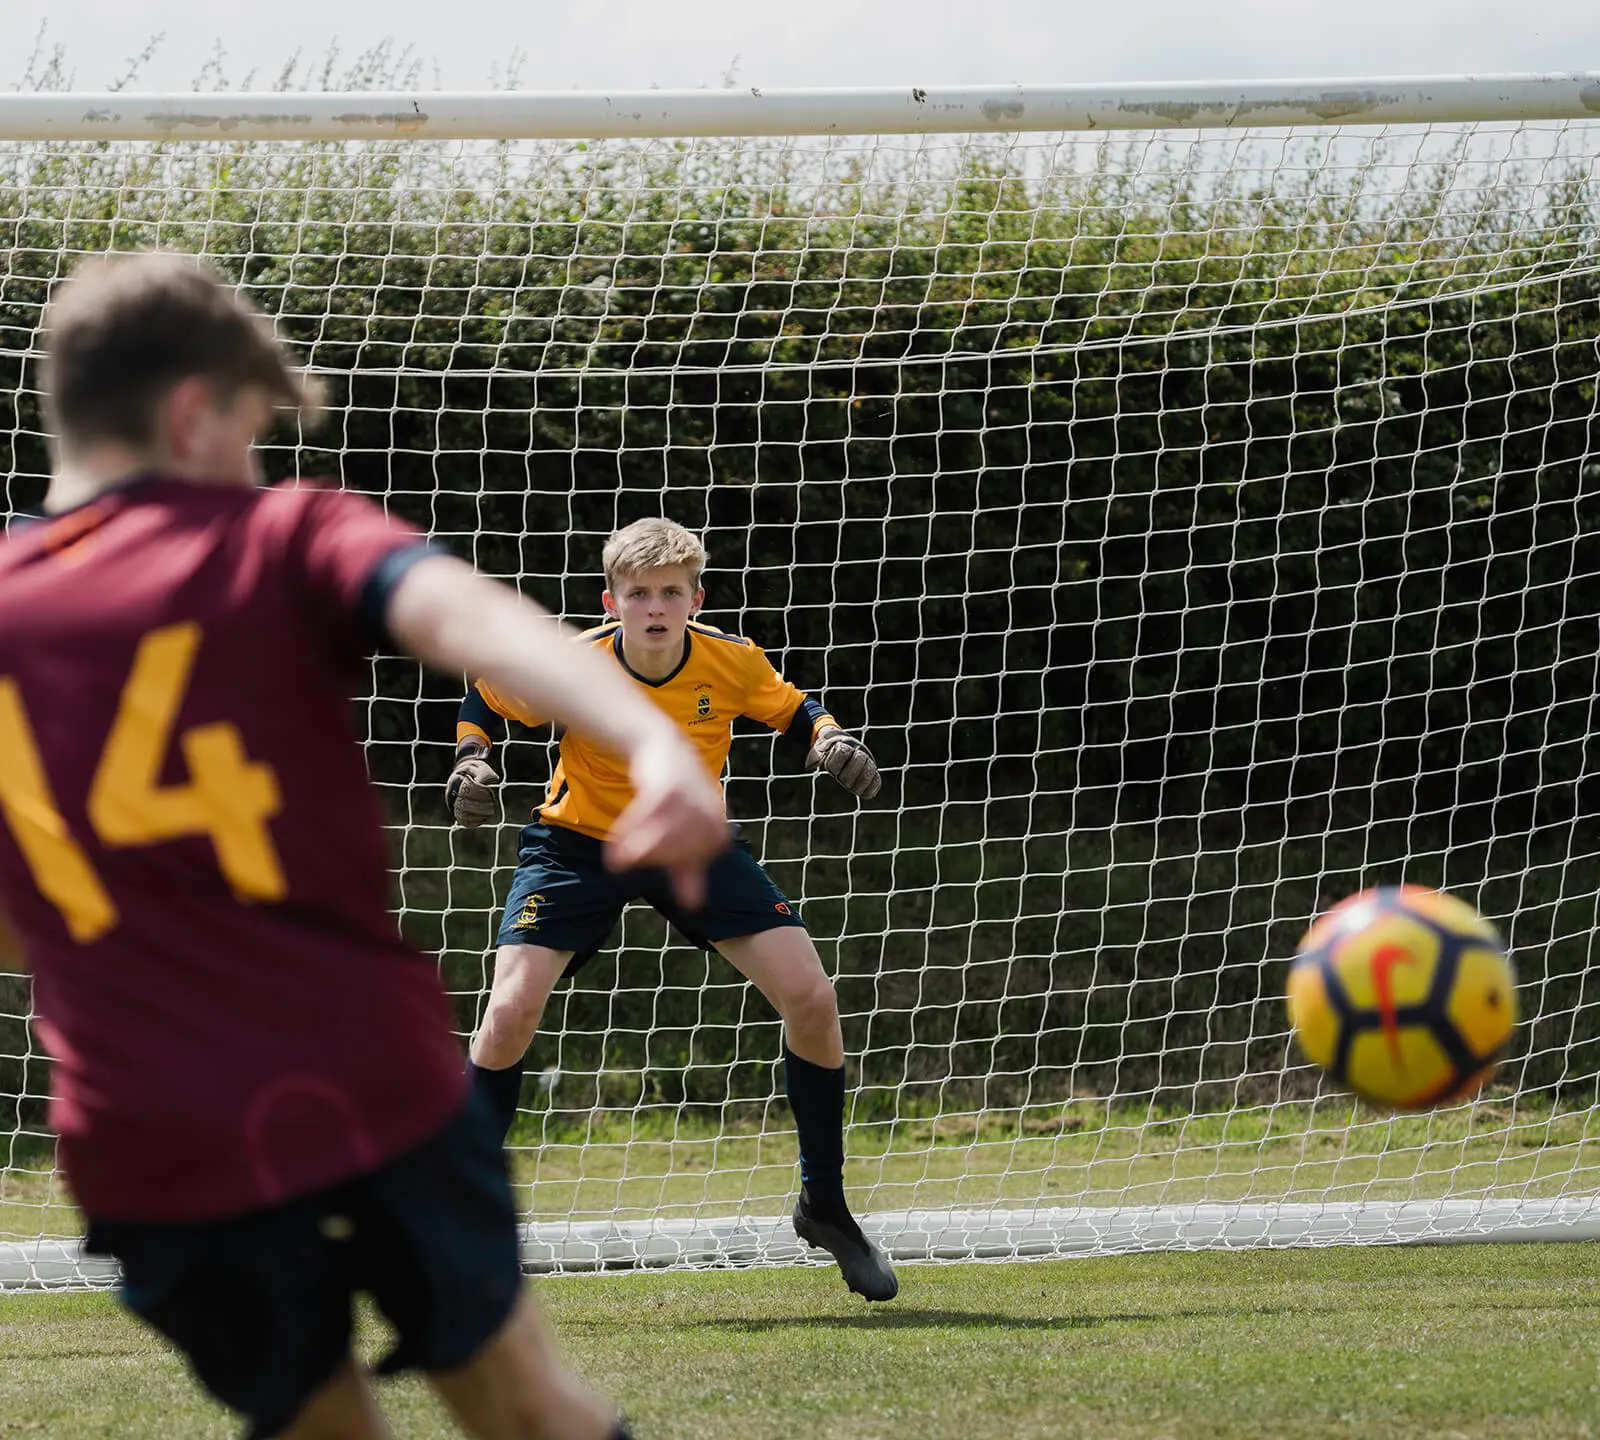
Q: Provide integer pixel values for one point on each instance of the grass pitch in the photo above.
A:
(1483, 1342)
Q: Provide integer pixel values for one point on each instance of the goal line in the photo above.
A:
(914, 1236)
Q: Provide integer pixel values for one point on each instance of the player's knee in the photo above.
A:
(342, 1409)
(812, 1008)
(516, 1388)
(515, 1008)
(523, 980)
(506, 1032)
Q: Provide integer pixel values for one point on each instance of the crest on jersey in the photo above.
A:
(702, 704)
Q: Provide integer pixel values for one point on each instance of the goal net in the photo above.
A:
(1198, 525)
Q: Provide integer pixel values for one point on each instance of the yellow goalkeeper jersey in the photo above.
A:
(720, 678)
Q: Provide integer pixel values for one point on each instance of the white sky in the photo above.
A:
(632, 44)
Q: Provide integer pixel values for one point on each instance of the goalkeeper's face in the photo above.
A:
(654, 607)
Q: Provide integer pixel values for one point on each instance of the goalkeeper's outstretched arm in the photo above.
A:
(455, 620)
(470, 790)
(829, 746)
(847, 759)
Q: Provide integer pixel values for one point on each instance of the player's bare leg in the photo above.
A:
(516, 1388)
(784, 966)
(343, 1409)
(524, 976)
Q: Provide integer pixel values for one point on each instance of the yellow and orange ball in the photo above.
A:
(1405, 996)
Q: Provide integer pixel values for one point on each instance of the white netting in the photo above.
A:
(1198, 528)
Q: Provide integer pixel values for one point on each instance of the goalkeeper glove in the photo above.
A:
(470, 790)
(847, 760)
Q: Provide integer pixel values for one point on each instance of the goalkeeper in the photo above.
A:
(564, 902)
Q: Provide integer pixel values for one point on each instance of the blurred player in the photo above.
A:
(260, 1104)
(564, 903)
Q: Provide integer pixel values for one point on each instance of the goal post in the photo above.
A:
(1188, 491)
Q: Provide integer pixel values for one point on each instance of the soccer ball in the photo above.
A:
(1404, 996)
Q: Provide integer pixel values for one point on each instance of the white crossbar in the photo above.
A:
(902, 109)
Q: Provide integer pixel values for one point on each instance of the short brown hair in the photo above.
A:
(652, 544)
(126, 328)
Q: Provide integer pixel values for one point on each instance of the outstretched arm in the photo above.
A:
(847, 759)
(829, 746)
(453, 619)
(470, 790)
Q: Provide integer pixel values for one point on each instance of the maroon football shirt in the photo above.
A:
(193, 855)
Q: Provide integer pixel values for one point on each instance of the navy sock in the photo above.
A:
(816, 1095)
(502, 1089)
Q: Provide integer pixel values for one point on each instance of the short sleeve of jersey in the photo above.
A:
(507, 707)
(769, 698)
(349, 555)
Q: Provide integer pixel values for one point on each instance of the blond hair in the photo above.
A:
(652, 544)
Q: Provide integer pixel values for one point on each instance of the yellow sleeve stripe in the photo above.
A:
(820, 721)
(466, 730)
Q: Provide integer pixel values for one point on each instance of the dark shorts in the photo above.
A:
(563, 897)
(261, 1303)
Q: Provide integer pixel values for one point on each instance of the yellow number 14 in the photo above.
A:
(228, 796)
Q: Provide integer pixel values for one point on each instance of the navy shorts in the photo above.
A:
(261, 1303)
(563, 897)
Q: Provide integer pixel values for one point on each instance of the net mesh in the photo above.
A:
(1198, 529)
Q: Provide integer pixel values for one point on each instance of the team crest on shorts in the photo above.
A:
(528, 916)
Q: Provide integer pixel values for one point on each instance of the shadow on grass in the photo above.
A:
(900, 1318)
(903, 1318)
